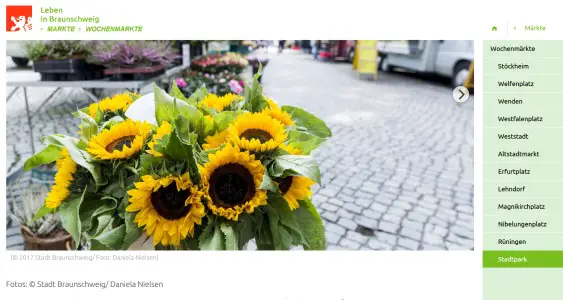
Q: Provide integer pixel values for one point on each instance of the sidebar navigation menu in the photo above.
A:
(523, 169)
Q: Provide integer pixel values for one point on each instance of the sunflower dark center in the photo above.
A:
(285, 184)
(169, 203)
(120, 143)
(231, 185)
(259, 134)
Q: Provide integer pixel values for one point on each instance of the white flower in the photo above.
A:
(143, 109)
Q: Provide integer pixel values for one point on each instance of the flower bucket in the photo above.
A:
(142, 244)
(57, 242)
(136, 73)
(72, 69)
(44, 175)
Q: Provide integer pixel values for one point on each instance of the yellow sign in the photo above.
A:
(470, 79)
(365, 58)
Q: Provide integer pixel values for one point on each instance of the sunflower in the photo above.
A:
(231, 181)
(290, 149)
(122, 140)
(257, 132)
(164, 129)
(295, 188)
(63, 179)
(219, 103)
(117, 102)
(214, 141)
(168, 207)
(277, 113)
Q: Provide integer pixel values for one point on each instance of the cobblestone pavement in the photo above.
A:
(397, 174)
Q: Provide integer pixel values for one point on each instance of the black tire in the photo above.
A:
(351, 54)
(383, 66)
(20, 61)
(462, 66)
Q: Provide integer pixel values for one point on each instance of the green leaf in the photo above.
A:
(88, 126)
(247, 226)
(111, 122)
(101, 222)
(80, 157)
(99, 115)
(295, 165)
(264, 240)
(212, 238)
(43, 211)
(86, 110)
(90, 208)
(112, 238)
(199, 94)
(311, 225)
(308, 122)
(254, 101)
(281, 238)
(82, 145)
(188, 141)
(167, 107)
(189, 244)
(223, 119)
(132, 231)
(177, 93)
(231, 242)
(184, 129)
(133, 96)
(97, 246)
(284, 213)
(148, 163)
(304, 141)
(267, 183)
(46, 156)
(176, 149)
(69, 213)
(114, 189)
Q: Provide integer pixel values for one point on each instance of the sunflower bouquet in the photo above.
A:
(204, 172)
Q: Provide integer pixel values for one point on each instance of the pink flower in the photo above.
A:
(241, 83)
(235, 87)
(181, 83)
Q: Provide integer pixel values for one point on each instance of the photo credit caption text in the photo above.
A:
(84, 284)
(85, 257)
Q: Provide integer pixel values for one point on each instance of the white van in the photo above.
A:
(448, 58)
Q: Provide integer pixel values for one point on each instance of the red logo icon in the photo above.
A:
(18, 18)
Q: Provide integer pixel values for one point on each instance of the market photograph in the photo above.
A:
(240, 145)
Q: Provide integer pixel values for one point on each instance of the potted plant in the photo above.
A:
(217, 63)
(44, 174)
(44, 233)
(62, 60)
(134, 60)
(221, 83)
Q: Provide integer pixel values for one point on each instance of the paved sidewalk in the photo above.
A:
(398, 172)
